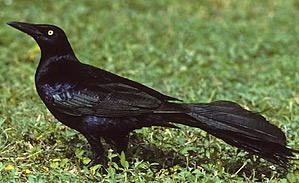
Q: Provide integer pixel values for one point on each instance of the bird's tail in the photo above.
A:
(238, 127)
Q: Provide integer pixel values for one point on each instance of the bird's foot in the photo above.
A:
(97, 160)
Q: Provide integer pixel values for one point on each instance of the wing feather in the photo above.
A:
(106, 100)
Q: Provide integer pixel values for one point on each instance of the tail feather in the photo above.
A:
(238, 127)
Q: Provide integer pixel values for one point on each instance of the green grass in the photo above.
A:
(199, 51)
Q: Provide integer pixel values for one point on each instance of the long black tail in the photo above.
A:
(238, 127)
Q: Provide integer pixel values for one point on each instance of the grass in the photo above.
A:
(199, 51)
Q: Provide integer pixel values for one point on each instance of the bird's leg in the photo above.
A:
(121, 142)
(96, 148)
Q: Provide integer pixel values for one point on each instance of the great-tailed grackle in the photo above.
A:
(99, 104)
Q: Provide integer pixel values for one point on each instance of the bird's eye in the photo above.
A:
(50, 32)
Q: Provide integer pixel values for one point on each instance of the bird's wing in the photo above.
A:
(106, 100)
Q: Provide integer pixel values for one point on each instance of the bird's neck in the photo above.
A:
(57, 50)
(53, 55)
(49, 60)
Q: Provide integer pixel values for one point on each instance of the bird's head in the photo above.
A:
(51, 39)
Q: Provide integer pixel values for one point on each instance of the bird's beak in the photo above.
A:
(28, 28)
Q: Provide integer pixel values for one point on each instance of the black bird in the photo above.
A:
(99, 104)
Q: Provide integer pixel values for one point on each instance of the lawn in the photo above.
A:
(198, 51)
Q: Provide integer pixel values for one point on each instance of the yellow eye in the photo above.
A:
(50, 32)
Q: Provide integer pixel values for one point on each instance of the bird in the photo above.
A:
(99, 104)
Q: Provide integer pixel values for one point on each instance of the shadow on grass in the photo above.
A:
(245, 165)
